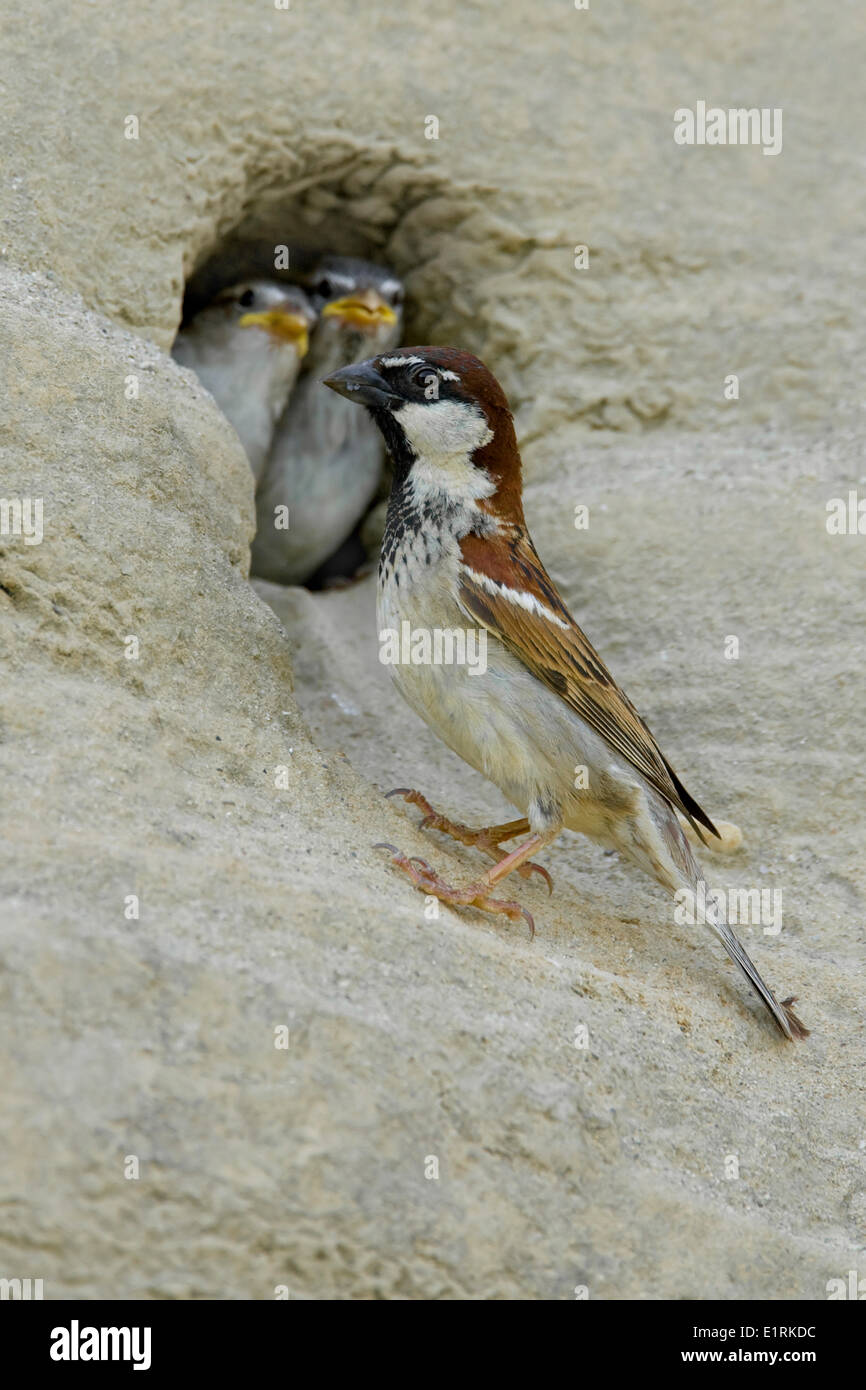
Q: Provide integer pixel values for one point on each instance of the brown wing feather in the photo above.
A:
(563, 657)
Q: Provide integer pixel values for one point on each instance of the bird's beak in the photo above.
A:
(362, 309)
(284, 324)
(362, 384)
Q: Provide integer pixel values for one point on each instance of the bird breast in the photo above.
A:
(492, 712)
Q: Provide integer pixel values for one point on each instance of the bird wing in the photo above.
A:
(505, 588)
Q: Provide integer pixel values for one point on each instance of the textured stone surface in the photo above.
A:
(264, 905)
(556, 128)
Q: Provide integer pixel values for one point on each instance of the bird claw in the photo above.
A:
(414, 798)
(526, 869)
(474, 895)
(483, 839)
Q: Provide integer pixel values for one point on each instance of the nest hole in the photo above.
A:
(371, 205)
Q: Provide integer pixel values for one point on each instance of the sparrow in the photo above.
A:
(246, 347)
(325, 463)
(457, 556)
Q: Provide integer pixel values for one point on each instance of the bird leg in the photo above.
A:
(488, 838)
(477, 894)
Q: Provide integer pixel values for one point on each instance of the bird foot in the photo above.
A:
(487, 838)
(474, 895)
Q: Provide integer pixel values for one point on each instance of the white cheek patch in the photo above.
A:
(443, 435)
(440, 429)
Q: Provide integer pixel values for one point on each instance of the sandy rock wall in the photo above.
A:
(555, 129)
(241, 815)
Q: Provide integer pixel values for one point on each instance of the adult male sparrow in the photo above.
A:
(246, 347)
(325, 463)
(457, 557)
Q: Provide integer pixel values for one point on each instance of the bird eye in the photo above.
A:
(426, 380)
(325, 288)
(396, 297)
(246, 299)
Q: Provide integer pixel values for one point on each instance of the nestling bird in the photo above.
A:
(246, 347)
(325, 462)
(457, 555)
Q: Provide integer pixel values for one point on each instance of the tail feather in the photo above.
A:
(783, 1014)
(683, 870)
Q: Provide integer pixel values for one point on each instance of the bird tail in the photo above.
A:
(782, 1012)
(692, 876)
